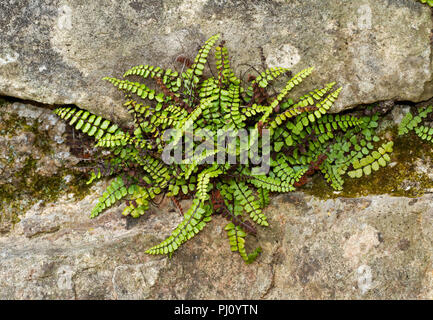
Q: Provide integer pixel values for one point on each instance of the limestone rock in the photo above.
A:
(34, 160)
(375, 247)
(56, 52)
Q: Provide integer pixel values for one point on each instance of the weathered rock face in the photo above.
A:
(377, 246)
(56, 52)
(372, 247)
(35, 161)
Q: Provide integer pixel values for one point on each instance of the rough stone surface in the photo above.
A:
(376, 247)
(373, 247)
(35, 160)
(29, 132)
(57, 51)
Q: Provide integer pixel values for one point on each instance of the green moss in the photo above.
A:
(400, 178)
(11, 123)
(29, 187)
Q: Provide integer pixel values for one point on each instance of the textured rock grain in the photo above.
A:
(56, 52)
(376, 247)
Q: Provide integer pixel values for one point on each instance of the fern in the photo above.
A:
(410, 122)
(304, 140)
(415, 123)
(237, 242)
(115, 191)
(425, 133)
(195, 220)
(373, 162)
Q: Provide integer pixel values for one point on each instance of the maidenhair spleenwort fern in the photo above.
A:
(294, 136)
(415, 123)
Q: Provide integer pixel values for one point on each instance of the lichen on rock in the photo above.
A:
(35, 164)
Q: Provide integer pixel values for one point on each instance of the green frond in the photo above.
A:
(286, 173)
(373, 162)
(204, 179)
(194, 221)
(410, 122)
(265, 78)
(294, 81)
(425, 133)
(114, 140)
(139, 199)
(191, 77)
(247, 200)
(237, 242)
(108, 168)
(168, 76)
(271, 184)
(156, 168)
(115, 192)
(184, 125)
(249, 112)
(207, 88)
(93, 125)
(321, 108)
(222, 62)
(263, 195)
(201, 58)
(140, 89)
(136, 211)
(333, 175)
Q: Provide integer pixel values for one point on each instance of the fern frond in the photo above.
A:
(194, 221)
(201, 58)
(114, 140)
(410, 122)
(271, 184)
(377, 159)
(184, 125)
(250, 111)
(140, 89)
(140, 196)
(230, 109)
(237, 242)
(294, 81)
(425, 133)
(333, 175)
(136, 210)
(157, 169)
(264, 199)
(222, 62)
(168, 76)
(93, 125)
(192, 74)
(204, 179)
(115, 192)
(320, 109)
(265, 78)
(245, 197)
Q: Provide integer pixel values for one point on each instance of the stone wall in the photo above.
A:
(56, 51)
(318, 245)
